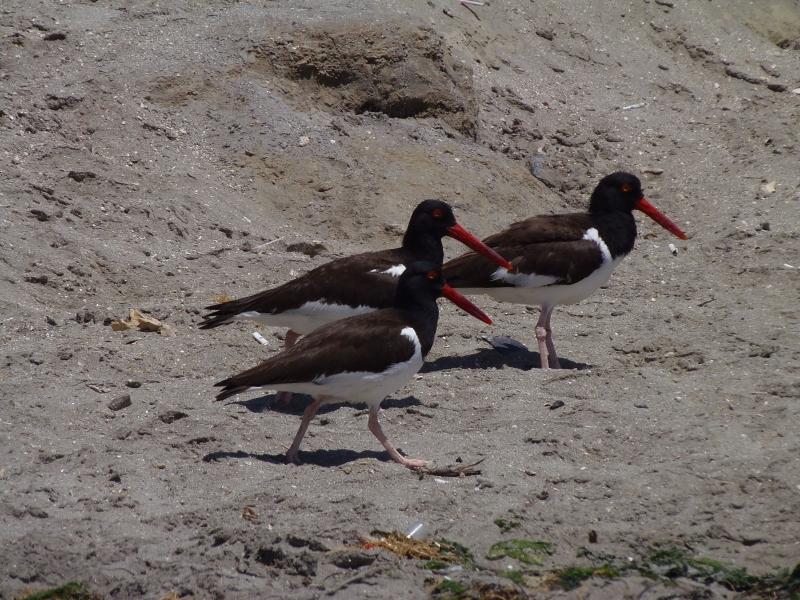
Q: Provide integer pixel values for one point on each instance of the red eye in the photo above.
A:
(626, 187)
(433, 274)
(437, 213)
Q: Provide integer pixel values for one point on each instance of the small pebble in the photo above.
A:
(304, 141)
(120, 402)
(556, 404)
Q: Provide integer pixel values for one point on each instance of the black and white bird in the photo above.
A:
(353, 285)
(559, 259)
(360, 359)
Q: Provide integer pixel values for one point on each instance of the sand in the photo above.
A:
(157, 156)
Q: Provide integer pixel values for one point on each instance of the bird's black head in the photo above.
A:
(422, 283)
(422, 280)
(431, 217)
(618, 192)
(434, 219)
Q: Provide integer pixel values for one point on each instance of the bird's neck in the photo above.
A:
(423, 317)
(423, 246)
(618, 230)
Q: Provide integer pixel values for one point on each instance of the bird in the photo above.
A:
(559, 259)
(352, 285)
(360, 359)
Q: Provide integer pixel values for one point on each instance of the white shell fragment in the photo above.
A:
(260, 339)
(673, 249)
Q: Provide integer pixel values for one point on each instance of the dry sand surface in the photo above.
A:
(157, 155)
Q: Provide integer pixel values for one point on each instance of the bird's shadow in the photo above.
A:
(320, 458)
(299, 402)
(485, 358)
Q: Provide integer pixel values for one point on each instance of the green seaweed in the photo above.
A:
(453, 589)
(526, 551)
(70, 591)
(464, 557)
(667, 562)
(435, 565)
(506, 526)
(517, 577)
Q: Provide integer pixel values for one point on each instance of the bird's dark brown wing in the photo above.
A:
(547, 245)
(365, 343)
(354, 281)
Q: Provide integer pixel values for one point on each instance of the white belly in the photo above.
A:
(540, 290)
(360, 386)
(305, 319)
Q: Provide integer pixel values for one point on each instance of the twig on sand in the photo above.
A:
(451, 471)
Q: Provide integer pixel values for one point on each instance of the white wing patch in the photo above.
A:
(394, 271)
(306, 318)
(594, 236)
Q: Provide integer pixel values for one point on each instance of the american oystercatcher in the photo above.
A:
(560, 259)
(362, 358)
(352, 285)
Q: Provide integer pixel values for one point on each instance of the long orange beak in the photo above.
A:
(465, 304)
(457, 232)
(651, 211)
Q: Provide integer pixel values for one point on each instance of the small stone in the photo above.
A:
(556, 404)
(304, 141)
(353, 559)
(81, 175)
(653, 170)
(133, 384)
(312, 248)
(171, 416)
(768, 188)
(120, 402)
(394, 229)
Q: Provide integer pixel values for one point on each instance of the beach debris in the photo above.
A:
(526, 551)
(634, 106)
(143, 323)
(673, 249)
(417, 531)
(260, 339)
(249, 514)
(768, 188)
(653, 170)
(120, 402)
(505, 345)
(451, 471)
(438, 553)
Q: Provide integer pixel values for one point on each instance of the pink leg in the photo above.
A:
(544, 335)
(284, 398)
(551, 349)
(375, 428)
(308, 415)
